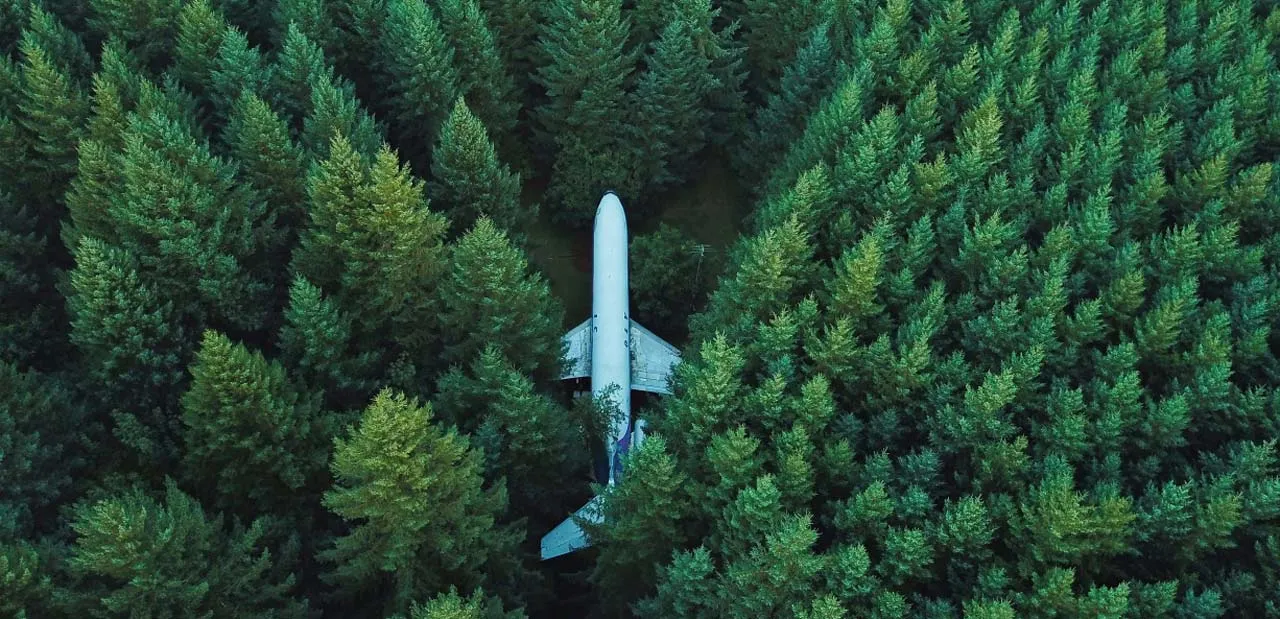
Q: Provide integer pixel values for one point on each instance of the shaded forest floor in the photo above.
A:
(710, 210)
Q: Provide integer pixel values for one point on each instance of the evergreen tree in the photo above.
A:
(515, 26)
(42, 435)
(780, 120)
(483, 79)
(333, 111)
(146, 558)
(201, 30)
(53, 114)
(527, 438)
(450, 605)
(270, 162)
(671, 117)
(492, 296)
(418, 74)
(132, 345)
(201, 234)
(312, 18)
(32, 322)
(469, 182)
(299, 63)
(150, 28)
(421, 520)
(248, 434)
(670, 279)
(373, 244)
(582, 123)
(316, 343)
(773, 31)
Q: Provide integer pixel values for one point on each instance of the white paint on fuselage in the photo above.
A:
(611, 323)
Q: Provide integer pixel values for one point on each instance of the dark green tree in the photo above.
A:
(150, 28)
(483, 79)
(671, 275)
(270, 161)
(526, 437)
(418, 75)
(141, 557)
(132, 346)
(316, 343)
(32, 320)
(250, 438)
(582, 125)
(468, 180)
(43, 435)
(492, 295)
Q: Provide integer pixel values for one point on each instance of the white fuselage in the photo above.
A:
(611, 324)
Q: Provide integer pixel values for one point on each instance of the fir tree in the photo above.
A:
(316, 343)
(421, 520)
(670, 279)
(249, 435)
(171, 558)
(42, 436)
(269, 161)
(582, 122)
(132, 345)
(669, 101)
(418, 73)
(54, 112)
(32, 322)
(334, 111)
(515, 30)
(527, 438)
(483, 79)
(492, 296)
(201, 30)
(469, 182)
(150, 28)
(773, 31)
(374, 245)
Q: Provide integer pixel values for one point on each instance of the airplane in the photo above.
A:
(618, 354)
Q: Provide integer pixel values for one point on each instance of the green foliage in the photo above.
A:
(453, 606)
(247, 433)
(483, 79)
(41, 436)
(671, 275)
(147, 558)
(149, 27)
(469, 182)
(489, 279)
(527, 438)
(31, 315)
(583, 122)
(418, 73)
(420, 519)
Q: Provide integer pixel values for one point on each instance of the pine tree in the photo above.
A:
(483, 79)
(53, 113)
(670, 279)
(42, 435)
(316, 344)
(191, 225)
(32, 322)
(527, 438)
(238, 69)
(299, 63)
(133, 347)
(249, 435)
(514, 24)
(373, 244)
(418, 74)
(421, 520)
(671, 118)
(450, 605)
(773, 31)
(492, 296)
(333, 110)
(147, 558)
(780, 120)
(311, 18)
(150, 28)
(269, 161)
(582, 123)
(201, 30)
(469, 182)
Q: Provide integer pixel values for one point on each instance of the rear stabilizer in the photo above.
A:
(568, 537)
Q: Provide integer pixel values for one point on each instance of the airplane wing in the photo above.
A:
(652, 361)
(568, 536)
(578, 357)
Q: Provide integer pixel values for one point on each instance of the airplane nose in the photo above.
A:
(610, 208)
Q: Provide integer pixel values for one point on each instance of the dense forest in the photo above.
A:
(997, 339)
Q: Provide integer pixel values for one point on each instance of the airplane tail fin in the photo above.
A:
(568, 537)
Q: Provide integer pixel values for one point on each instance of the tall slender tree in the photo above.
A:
(468, 180)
